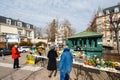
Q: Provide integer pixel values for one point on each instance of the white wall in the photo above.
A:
(39, 40)
(8, 29)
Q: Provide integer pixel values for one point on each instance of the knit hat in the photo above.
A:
(65, 46)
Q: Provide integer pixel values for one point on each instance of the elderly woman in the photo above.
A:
(52, 63)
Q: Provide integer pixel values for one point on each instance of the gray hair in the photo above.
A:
(52, 47)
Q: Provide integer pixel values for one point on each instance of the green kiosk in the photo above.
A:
(88, 42)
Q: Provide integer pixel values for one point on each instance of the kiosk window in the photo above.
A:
(80, 43)
(84, 43)
(75, 42)
(90, 43)
(95, 41)
(72, 43)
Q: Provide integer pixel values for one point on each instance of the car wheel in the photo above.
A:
(23, 51)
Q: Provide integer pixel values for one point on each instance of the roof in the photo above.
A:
(111, 9)
(13, 22)
(85, 34)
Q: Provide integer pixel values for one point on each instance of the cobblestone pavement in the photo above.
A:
(26, 72)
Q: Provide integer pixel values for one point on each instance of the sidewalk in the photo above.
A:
(26, 72)
(36, 72)
(42, 75)
(17, 75)
(8, 73)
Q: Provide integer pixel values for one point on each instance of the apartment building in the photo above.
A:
(59, 36)
(103, 25)
(62, 34)
(12, 30)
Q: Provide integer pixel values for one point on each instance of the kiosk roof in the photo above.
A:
(86, 34)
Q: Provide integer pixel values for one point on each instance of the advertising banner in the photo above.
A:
(12, 38)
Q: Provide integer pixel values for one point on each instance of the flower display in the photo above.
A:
(96, 62)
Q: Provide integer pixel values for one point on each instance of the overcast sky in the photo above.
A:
(41, 12)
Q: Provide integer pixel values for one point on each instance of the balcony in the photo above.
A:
(29, 37)
(108, 44)
(23, 36)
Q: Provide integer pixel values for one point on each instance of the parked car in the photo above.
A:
(23, 48)
(5, 51)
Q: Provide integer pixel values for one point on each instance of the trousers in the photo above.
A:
(64, 76)
(16, 63)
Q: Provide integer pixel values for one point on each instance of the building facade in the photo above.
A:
(62, 34)
(12, 30)
(59, 37)
(103, 24)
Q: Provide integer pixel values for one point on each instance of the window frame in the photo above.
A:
(107, 11)
(108, 40)
(19, 24)
(8, 21)
(28, 26)
(116, 9)
(28, 33)
(19, 32)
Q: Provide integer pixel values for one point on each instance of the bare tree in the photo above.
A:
(54, 31)
(38, 31)
(51, 30)
(68, 30)
(47, 31)
(114, 27)
(92, 27)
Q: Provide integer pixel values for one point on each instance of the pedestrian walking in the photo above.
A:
(15, 56)
(52, 63)
(65, 64)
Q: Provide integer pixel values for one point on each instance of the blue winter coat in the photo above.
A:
(65, 64)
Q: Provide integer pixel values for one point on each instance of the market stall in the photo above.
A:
(88, 57)
(89, 42)
(88, 62)
(91, 72)
(31, 58)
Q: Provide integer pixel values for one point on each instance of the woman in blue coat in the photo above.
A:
(65, 64)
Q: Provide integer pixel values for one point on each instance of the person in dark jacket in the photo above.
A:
(15, 56)
(52, 63)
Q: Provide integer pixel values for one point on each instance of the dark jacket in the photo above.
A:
(52, 63)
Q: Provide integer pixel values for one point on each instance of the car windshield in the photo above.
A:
(1, 48)
(6, 48)
(24, 47)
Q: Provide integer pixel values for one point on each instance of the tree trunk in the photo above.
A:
(117, 38)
